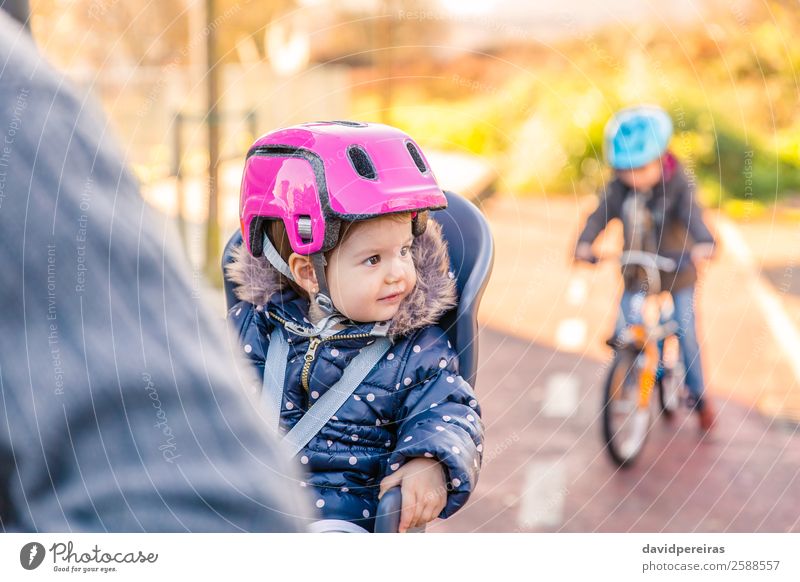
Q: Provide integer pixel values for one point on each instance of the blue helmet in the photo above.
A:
(636, 136)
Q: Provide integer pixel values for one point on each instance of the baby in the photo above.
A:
(340, 260)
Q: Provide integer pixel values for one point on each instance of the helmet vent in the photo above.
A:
(361, 162)
(417, 157)
(349, 123)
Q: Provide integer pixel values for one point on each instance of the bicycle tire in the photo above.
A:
(624, 452)
(670, 386)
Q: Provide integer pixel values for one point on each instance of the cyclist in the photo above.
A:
(654, 197)
(109, 420)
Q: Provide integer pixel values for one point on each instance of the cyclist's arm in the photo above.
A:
(691, 215)
(610, 207)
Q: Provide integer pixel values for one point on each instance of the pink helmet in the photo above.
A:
(314, 175)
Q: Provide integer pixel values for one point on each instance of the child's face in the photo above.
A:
(372, 271)
(642, 178)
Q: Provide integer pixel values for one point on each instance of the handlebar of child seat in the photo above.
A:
(387, 518)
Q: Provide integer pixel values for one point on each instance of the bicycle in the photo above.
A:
(647, 358)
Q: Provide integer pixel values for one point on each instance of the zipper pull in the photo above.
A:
(313, 344)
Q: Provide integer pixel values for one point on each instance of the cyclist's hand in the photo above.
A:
(422, 486)
(583, 252)
(702, 252)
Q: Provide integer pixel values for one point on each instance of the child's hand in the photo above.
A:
(422, 485)
(583, 252)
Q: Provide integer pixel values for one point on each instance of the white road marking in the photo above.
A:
(571, 334)
(577, 291)
(544, 494)
(780, 324)
(561, 395)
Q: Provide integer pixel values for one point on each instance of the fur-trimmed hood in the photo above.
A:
(435, 292)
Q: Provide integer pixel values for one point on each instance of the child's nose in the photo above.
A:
(396, 271)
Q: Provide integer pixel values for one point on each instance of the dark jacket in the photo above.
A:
(412, 404)
(119, 407)
(671, 224)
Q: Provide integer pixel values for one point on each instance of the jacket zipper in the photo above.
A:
(313, 345)
(311, 353)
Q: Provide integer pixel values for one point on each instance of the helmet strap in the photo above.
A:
(275, 259)
(323, 297)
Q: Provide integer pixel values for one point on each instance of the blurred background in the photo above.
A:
(509, 100)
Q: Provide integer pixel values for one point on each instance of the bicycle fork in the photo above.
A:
(647, 380)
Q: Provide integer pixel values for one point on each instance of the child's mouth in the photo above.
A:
(391, 298)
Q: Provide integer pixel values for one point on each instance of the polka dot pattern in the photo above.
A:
(358, 443)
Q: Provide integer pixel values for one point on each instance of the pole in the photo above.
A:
(212, 267)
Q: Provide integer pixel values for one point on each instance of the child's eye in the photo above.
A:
(404, 251)
(373, 260)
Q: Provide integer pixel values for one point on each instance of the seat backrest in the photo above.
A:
(471, 249)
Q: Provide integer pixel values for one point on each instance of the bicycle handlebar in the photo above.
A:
(652, 263)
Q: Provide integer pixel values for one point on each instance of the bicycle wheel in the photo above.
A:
(670, 381)
(625, 424)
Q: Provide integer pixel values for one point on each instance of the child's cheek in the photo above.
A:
(411, 277)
